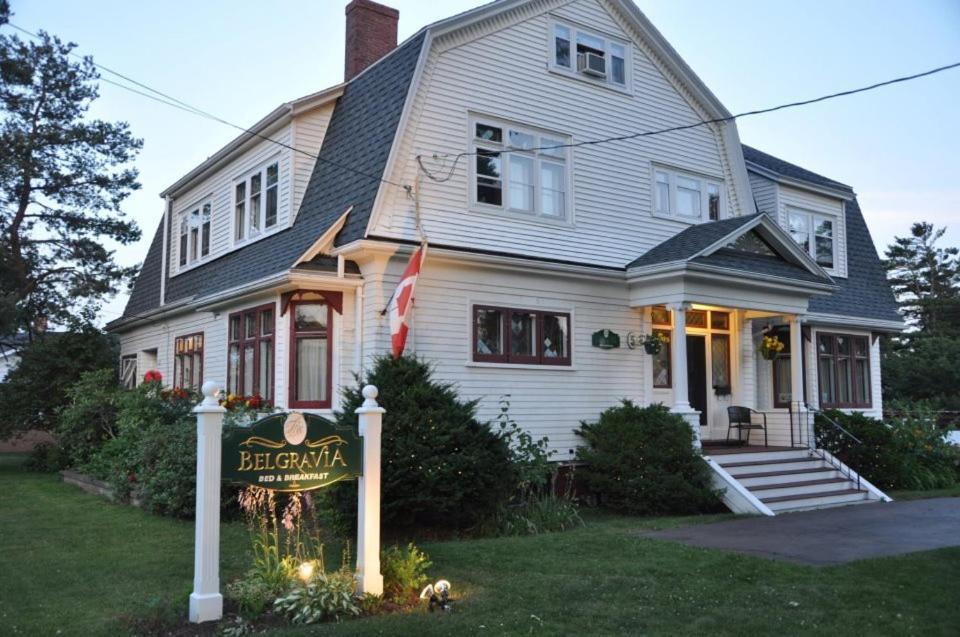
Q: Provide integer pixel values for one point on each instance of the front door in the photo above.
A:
(697, 374)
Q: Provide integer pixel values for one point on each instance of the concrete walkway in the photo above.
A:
(833, 536)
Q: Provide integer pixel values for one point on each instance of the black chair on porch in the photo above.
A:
(741, 418)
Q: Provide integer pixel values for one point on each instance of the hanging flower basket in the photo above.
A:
(653, 343)
(770, 347)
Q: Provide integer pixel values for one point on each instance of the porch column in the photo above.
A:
(678, 371)
(796, 363)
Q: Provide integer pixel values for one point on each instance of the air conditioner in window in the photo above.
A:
(592, 64)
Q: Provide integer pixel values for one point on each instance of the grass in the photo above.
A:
(73, 563)
(949, 492)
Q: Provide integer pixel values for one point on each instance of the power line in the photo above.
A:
(672, 129)
(169, 100)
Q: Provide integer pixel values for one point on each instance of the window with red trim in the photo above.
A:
(510, 335)
(250, 353)
(843, 370)
(188, 361)
(311, 362)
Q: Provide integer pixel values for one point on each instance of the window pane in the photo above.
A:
(800, 230)
(311, 369)
(270, 216)
(523, 333)
(827, 380)
(521, 182)
(273, 171)
(587, 42)
(843, 345)
(555, 332)
(489, 185)
(696, 318)
(844, 380)
(311, 317)
(562, 46)
(662, 193)
(522, 140)
(186, 369)
(862, 389)
(688, 197)
(713, 201)
(618, 72)
(239, 215)
(183, 249)
(553, 147)
(248, 369)
(661, 362)
(824, 251)
(660, 315)
(720, 357)
(254, 213)
(255, 184)
(489, 336)
(782, 380)
(860, 347)
(266, 322)
(205, 240)
(250, 325)
(823, 227)
(489, 133)
(233, 367)
(234, 328)
(720, 320)
(194, 241)
(552, 189)
(265, 380)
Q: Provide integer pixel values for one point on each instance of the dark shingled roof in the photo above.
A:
(690, 241)
(787, 169)
(145, 294)
(759, 264)
(865, 293)
(359, 137)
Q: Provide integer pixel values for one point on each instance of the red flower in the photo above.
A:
(152, 376)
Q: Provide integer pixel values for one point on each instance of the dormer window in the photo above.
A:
(590, 56)
(255, 202)
(815, 234)
(194, 243)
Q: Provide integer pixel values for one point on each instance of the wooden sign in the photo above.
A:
(605, 339)
(292, 452)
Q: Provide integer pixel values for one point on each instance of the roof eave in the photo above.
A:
(840, 193)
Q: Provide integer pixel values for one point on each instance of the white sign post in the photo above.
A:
(206, 602)
(369, 579)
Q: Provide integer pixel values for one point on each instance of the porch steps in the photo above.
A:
(786, 480)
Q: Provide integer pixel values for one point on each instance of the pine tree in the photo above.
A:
(63, 177)
(926, 279)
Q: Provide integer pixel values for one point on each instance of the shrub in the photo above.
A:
(251, 594)
(324, 597)
(642, 461)
(441, 467)
(47, 457)
(89, 418)
(404, 572)
(544, 513)
(907, 452)
(530, 458)
(32, 393)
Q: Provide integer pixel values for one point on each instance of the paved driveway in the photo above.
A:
(833, 536)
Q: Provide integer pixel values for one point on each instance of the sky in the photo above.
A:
(899, 147)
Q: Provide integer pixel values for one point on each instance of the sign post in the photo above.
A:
(369, 578)
(206, 602)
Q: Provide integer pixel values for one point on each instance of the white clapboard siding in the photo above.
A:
(764, 193)
(546, 401)
(794, 198)
(308, 131)
(611, 193)
(218, 189)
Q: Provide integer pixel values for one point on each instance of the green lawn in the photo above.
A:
(73, 563)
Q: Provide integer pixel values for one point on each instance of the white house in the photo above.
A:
(274, 259)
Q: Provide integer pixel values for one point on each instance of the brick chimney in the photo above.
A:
(371, 34)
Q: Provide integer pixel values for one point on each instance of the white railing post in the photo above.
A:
(369, 578)
(206, 602)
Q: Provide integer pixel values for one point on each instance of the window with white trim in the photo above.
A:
(686, 196)
(816, 234)
(520, 170)
(589, 55)
(194, 235)
(255, 202)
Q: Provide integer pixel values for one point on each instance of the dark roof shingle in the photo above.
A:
(786, 169)
(690, 241)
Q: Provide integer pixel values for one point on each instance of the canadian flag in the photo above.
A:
(401, 307)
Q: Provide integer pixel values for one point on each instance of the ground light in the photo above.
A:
(305, 571)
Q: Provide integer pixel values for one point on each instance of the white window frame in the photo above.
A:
(251, 233)
(811, 218)
(555, 157)
(194, 241)
(705, 182)
(571, 71)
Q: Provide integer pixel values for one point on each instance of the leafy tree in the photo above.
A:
(35, 391)
(923, 368)
(63, 178)
(926, 279)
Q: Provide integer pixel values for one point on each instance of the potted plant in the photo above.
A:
(770, 347)
(653, 343)
(721, 390)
